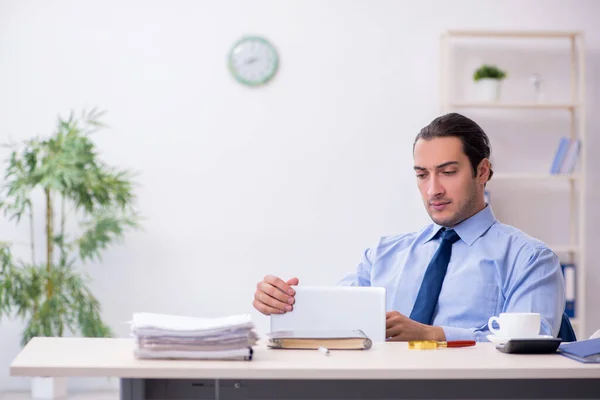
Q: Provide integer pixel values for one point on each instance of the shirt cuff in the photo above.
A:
(453, 333)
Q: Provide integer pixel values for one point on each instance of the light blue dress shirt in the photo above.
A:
(494, 268)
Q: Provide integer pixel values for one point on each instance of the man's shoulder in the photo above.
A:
(398, 239)
(401, 240)
(516, 238)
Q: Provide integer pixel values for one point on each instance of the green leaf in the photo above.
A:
(71, 305)
(102, 230)
(6, 273)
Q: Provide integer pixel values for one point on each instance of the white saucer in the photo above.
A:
(501, 340)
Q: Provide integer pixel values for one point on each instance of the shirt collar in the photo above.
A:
(470, 229)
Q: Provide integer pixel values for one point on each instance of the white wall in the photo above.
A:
(294, 178)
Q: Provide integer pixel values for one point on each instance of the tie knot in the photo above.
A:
(450, 235)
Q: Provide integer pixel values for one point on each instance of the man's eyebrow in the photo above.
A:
(446, 164)
(418, 168)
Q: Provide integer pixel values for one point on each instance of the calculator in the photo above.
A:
(530, 346)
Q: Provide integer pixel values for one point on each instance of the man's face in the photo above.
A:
(445, 178)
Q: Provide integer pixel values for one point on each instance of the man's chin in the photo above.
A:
(442, 220)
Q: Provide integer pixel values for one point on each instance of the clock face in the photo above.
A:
(253, 61)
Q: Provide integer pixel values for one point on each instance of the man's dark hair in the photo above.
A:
(476, 144)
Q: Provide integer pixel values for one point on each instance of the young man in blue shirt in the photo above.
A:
(445, 281)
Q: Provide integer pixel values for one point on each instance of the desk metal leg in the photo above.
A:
(187, 389)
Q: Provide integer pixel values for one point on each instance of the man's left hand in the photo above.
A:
(402, 329)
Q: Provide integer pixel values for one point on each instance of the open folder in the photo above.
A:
(585, 351)
(334, 340)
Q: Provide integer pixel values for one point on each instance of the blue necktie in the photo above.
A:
(432, 280)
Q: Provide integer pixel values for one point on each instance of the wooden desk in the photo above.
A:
(388, 370)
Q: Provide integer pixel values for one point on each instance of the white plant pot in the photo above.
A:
(489, 89)
(46, 388)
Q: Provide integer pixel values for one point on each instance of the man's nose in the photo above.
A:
(435, 188)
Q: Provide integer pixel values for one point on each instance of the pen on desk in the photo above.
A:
(324, 350)
(433, 344)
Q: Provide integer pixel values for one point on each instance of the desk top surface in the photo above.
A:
(96, 357)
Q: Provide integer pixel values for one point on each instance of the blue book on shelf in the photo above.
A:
(570, 158)
(585, 351)
(570, 288)
(563, 147)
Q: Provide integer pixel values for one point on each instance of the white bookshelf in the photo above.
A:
(514, 34)
(537, 176)
(526, 106)
(565, 249)
(574, 250)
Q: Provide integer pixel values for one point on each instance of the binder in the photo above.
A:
(561, 152)
(333, 340)
(570, 288)
(570, 159)
(585, 351)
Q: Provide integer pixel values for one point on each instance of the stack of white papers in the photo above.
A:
(172, 336)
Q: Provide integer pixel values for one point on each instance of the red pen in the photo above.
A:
(457, 343)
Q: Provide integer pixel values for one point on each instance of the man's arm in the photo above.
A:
(538, 286)
(477, 334)
(362, 275)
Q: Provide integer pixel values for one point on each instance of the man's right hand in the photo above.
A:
(274, 296)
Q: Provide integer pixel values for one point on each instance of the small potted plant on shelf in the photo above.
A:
(87, 205)
(488, 79)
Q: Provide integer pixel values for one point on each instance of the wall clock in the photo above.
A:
(253, 60)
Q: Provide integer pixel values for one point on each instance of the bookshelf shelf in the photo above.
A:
(573, 109)
(525, 106)
(536, 176)
(514, 34)
(565, 249)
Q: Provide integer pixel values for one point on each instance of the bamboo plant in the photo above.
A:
(87, 205)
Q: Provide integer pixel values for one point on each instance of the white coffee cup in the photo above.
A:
(516, 325)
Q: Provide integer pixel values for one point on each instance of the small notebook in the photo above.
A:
(585, 351)
(333, 340)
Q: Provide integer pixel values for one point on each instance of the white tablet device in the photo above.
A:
(334, 308)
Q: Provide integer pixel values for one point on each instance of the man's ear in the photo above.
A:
(483, 170)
